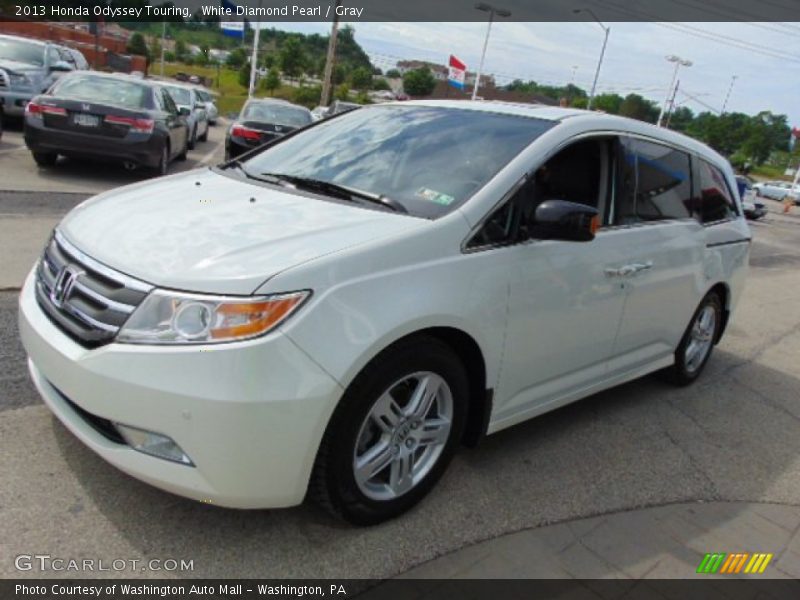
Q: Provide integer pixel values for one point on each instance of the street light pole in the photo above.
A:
(492, 10)
(163, 39)
(679, 62)
(606, 31)
(728, 95)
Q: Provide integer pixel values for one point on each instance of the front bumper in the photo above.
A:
(13, 102)
(142, 149)
(250, 415)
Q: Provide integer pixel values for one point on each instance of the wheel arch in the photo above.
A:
(469, 352)
(723, 291)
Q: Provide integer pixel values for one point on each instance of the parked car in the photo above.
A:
(338, 106)
(210, 102)
(187, 99)
(355, 300)
(108, 117)
(261, 121)
(775, 190)
(753, 209)
(318, 112)
(28, 67)
(74, 58)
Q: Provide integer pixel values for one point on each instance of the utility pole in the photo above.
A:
(163, 39)
(492, 10)
(679, 62)
(672, 103)
(254, 59)
(606, 31)
(728, 95)
(330, 59)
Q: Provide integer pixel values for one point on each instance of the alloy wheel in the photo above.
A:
(403, 436)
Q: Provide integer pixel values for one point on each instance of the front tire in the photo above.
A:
(45, 159)
(393, 434)
(697, 343)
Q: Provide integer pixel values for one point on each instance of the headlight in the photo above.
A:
(174, 318)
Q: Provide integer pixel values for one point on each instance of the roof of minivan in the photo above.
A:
(595, 119)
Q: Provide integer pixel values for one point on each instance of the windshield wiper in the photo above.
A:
(337, 190)
(265, 177)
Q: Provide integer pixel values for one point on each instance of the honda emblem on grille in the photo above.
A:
(65, 281)
(278, 128)
(86, 107)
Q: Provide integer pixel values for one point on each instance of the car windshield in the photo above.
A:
(276, 114)
(180, 95)
(21, 51)
(103, 90)
(429, 159)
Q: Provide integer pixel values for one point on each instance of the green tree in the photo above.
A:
(236, 58)
(342, 92)
(272, 81)
(419, 82)
(637, 107)
(180, 50)
(608, 103)
(137, 45)
(393, 74)
(292, 58)
(361, 78)
(363, 98)
(244, 75)
(307, 96)
(379, 83)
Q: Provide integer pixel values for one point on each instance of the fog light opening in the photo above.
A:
(154, 444)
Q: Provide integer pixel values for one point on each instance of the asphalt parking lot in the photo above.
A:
(731, 437)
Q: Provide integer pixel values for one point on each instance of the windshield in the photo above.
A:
(103, 90)
(22, 51)
(430, 159)
(276, 114)
(180, 95)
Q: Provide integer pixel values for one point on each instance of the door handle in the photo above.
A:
(628, 270)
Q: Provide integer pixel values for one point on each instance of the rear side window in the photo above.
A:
(657, 183)
(716, 200)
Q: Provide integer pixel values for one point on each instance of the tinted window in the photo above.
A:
(169, 104)
(104, 90)
(431, 159)
(276, 114)
(655, 183)
(716, 201)
(22, 51)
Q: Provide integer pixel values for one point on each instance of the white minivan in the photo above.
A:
(334, 313)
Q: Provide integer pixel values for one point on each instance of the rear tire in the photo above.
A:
(382, 451)
(185, 154)
(45, 159)
(204, 137)
(697, 343)
(163, 164)
(193, 138)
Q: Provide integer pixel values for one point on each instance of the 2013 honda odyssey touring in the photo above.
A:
(337, 311)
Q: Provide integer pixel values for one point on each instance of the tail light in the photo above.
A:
(137, 125)
(241, 131)
(32, 109)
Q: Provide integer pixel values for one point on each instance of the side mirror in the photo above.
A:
(61, 66)
(184, 111)
(563, 220)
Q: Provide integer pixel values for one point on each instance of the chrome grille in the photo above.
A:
(86, 299)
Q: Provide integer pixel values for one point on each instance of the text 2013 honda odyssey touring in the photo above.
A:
(339, 310)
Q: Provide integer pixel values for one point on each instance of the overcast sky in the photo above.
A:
(634, 62)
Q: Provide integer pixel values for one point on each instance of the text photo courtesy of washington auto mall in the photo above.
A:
(365, 298)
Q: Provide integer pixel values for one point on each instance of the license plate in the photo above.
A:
(86, 120)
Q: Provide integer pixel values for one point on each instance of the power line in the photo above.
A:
(745, 18)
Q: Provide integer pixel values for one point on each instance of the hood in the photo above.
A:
(199, 231)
